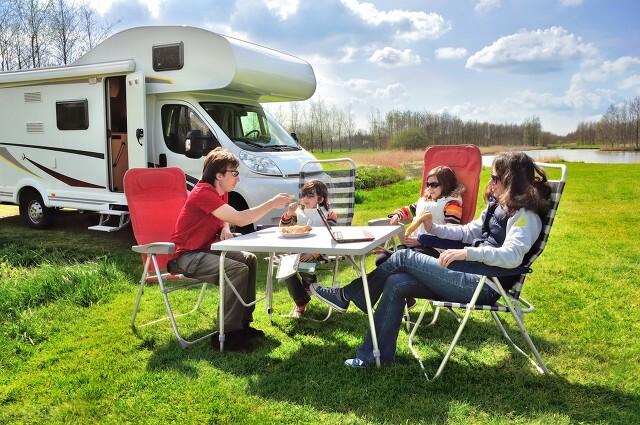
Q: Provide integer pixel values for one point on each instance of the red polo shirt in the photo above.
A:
(196, 227)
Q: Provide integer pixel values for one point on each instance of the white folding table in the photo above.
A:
(319, 241)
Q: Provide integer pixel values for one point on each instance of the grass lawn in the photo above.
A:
(67, 354)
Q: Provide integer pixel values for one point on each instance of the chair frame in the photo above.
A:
(514, 305)
(152, 273)
(303, 177)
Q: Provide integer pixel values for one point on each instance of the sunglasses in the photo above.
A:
(234, 173)
(494, 179)
(309, 195)
(432, 185)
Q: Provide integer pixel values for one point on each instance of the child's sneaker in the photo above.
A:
(298, 310)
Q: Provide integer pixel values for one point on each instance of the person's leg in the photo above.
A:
(388, 316)
(249, 293)
(297, 291)
(444, 284)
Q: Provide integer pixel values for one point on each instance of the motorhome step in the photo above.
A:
(100, 228)
(114, 212)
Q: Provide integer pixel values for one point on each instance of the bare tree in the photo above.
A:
(33, 15)
(65, 25)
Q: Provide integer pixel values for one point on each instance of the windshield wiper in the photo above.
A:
(250, 143)
(284, 148)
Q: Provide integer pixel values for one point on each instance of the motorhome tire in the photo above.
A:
(34, 212)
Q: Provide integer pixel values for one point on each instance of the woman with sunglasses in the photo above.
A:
(517, 194)
(204, 219)
(314, 194)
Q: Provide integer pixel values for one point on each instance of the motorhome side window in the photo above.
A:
(168, 57)
(179, 122)
(72, 115)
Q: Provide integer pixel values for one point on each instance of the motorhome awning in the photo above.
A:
(69, 72)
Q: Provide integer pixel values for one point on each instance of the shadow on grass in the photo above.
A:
(312, 374)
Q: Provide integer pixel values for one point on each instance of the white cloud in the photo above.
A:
(282, 8)
(446, 53)
(389, 57)
(595, 70)
(392, 91)
(103, 6)
(223, 28)
(486, 5)
(631, 82)
(422, 25)
(532, 52)
(344, 55)
(571, 2)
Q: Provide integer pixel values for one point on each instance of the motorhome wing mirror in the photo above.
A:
(196, 144)
(294, 136)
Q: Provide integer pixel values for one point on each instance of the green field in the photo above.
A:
(67, 354)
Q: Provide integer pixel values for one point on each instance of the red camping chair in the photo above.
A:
(466, 162)
(155, 197)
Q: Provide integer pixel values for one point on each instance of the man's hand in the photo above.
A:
(281, 200)
(450, 255)
(225, 233)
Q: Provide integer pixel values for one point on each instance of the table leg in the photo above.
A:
(269, 287)
(367, 297)
(221, 285)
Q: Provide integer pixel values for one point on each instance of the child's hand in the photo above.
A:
(395, 219)
(292, 209)
(426, 219)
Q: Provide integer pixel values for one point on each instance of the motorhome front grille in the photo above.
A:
(35, 127)
(33, 97)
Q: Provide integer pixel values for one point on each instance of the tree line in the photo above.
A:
(327, 128)
(618, 128)
(40, 33)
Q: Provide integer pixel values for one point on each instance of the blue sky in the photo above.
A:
(565, 61)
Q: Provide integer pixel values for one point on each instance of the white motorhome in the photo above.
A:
(147, 97)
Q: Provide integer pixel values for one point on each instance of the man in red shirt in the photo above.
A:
(204, 219)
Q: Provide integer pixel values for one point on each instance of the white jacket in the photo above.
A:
(523, 229)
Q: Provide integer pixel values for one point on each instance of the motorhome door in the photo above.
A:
(136, 120)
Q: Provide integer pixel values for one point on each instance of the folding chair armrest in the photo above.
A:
(378, 222)
(436, 242)
(485, 270)
(155, 248)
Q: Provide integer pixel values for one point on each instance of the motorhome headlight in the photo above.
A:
(259, 164)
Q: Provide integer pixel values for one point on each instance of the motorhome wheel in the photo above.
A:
(34, 212)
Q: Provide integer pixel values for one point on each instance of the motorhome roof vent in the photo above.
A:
(35, 127)
(35, 97)
(168, 57)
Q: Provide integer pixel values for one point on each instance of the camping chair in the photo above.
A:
(155, 198)
(466, 162)
(339, 176)
(510, 302)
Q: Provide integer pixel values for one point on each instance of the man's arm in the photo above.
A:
(230, 215)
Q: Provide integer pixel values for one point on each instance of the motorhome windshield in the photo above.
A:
(250, 127)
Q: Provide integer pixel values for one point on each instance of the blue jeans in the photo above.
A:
(408, 273)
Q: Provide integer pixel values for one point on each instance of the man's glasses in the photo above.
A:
(432, 185)
(309, 195)
(494, 179)
(234, 173)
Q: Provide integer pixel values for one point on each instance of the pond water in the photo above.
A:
(590, 156)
